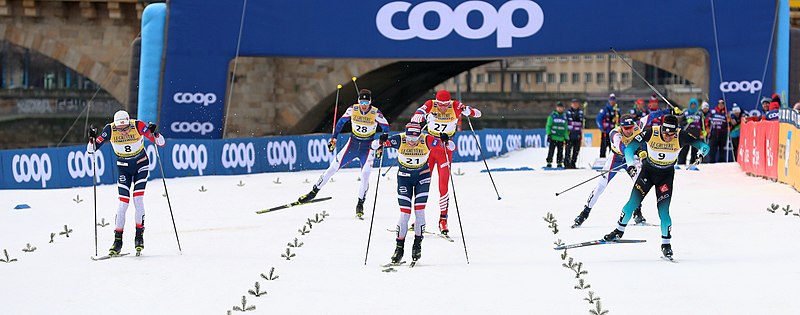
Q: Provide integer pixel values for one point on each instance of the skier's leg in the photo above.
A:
(139, 184)
(344, 156)
(124, 183)
(640, 189)
(368, 159)
(444, 198)
(663, 187)
(420, 199)
(404, 192)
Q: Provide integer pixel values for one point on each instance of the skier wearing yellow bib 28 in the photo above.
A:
(127, 139)
(658, 169)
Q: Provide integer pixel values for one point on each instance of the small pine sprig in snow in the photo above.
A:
(77, 199)
(787, 210)
(309, 222)
(304, 230)
(288, 255)
(551, 219)
(569, 264)
(28, 248)
(772, 208)
(598, 309)
(591, 299)
(66, 231)
(7, 259)
(578, 271)
(244, 307)
(202, 189)
(295, 244)
(582, 285)
(272, 275)
(240, 184)
(257, 292)
(277, 181)
(102, 222)
(325, 214)
(564, 255)
(52, 235)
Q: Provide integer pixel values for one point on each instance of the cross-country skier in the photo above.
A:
(607, 119)
(127, 139)
(443, 121)
(658, 169)
(413, 181)
(365, 120)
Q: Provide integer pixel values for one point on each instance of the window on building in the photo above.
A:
(612, 57)
(612, 77)
(563, 58)
(601, 78)
(527, 78)
(479, 78)
(551, 78)
(600, 57)
(576, 78)
(514, 77)
(575, 58)
(550, 59)
(537, 59)
(587, 58)
(539, 76)
(562, 77)
(626, 77)
(492, 78)
(587, 77)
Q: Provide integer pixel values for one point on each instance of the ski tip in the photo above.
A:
(498, 198)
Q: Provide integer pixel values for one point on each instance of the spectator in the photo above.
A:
(638, 111)
(607, 119)
(764, 107)
(735, 123)
(797, 107)
(557, 131)
(705, 113)
(695, 126)
(652, 107)
(575, 121)
(774, 108)
(718, 137)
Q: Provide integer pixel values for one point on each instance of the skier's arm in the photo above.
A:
(685, 137)
(469, 111)
(432, 141)
(616, 141)
(392, 142)
(343, 120)
(100, 140)
(549, 125)
(599, 119)
(382, 122)
(630, 149)
(419, 115)
(157, 139)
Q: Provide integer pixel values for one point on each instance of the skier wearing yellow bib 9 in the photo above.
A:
(127, 139)
(658, 169)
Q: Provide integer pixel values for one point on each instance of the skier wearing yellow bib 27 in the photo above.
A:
(658, 169)
(127, 139)
(365, 120)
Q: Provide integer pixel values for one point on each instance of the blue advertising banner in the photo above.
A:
(72, 167)
(202, 39)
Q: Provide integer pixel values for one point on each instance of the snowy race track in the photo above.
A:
(734, 256)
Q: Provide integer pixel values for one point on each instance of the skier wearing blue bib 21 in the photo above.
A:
(658, 169)
(365, 120)
(413, 181)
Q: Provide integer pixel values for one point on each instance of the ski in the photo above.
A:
(360, 217)
(96, 258)
(669, 259)
(413, 263)
(447, 237)
(292, 204)
(410, 230)
(597, 242)
(393, 264)
(644, 224)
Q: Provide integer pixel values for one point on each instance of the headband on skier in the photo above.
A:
(413, 131)
(670, 124)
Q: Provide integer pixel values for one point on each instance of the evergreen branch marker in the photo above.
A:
(8, 259)
(459, 172)
(28, 248)
(332, 180)
(570, 264)
(578, 271)
(772, 208)
(591, 299)
(66, 231)
(306, 181)
(564, 254)
(257, 292)
(309, 223)
(598, 310)
(303, 231)
(551, 219)
(582, 285)
(102, 223)
(271, 276)
(77, 199)
(240, 184)
(288, 255)
(787, 210)
(244, 307)
(52, 235)
(295, 244)
(325, 214)
(277, 181)
(202, 189)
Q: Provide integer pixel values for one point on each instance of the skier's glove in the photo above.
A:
(331, 144)
(676, 110)
(92, 133)
(153, 129)
(418, 116)
(632, 171)
(642, 155)
(379, 152)
(384, 137)
(445, 137)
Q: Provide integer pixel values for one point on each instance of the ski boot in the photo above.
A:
(637, 216)
(613, 236)
(310, 195)
(549, 165)
(360, 208)
(559, 165)
(666, 250)
(582, 217)
(138, 241)
(398, 251)
(443, 225)
(117, 246)
(416, 249)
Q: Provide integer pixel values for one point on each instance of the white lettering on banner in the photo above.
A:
(194, 127)
(743, 86)
(467, 146)
(195, 98)
(513, 142)
(449, 20)
(26, 168)
(282, 152)
(318, 151)
(770, 156)
(152, 159)
(238, 155)
(190, 157)
(494, 143)
(391, 153)
(79, 164)
(533, 141)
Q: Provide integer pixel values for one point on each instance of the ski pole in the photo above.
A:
(168, 202)
(484, 158)
(455, 200)
(374, 203)
(355, 85)
(387, 170)
(335, 115)
(94, 189)
(590, 179)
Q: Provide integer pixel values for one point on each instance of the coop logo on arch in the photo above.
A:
(497, 21)
(743, 86)
(194, 98)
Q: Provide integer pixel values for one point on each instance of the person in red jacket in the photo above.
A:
(442, 115)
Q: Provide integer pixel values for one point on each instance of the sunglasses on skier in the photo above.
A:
(442, 104)
(670, 134)
(364, 102)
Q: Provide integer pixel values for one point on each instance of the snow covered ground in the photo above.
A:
(734, 256)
